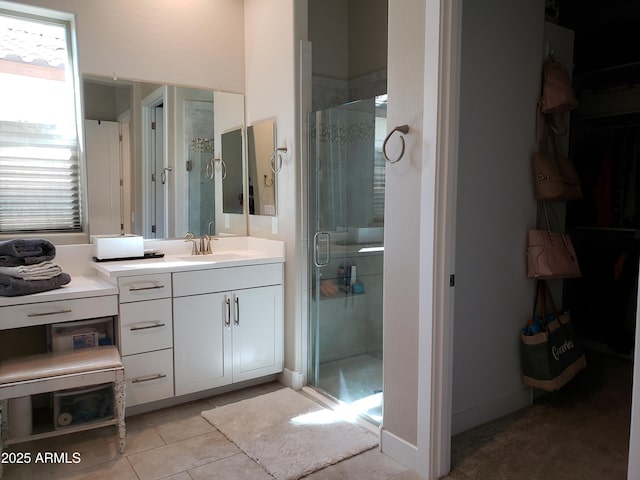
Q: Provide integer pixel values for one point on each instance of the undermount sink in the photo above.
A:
(214, 257)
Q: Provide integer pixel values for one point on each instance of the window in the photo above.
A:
(40, 182)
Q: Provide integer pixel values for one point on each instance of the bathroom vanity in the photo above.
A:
(191, 323)
(184, 324)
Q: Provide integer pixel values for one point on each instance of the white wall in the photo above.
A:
(273, 29)
(402, 226)
(138, 39)
(500, 82)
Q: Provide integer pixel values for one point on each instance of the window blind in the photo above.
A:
(39, 149)
(39, 179)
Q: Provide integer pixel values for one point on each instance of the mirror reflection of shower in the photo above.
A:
(198, 125)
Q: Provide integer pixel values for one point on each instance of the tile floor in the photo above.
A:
(178, 444)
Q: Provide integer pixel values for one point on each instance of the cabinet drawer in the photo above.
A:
(145, 326)
(224, 279)
(149, 377)
(42, 313)
(144, 287)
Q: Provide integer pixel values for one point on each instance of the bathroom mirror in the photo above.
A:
(231, 163)
(262, 161)
(155, 160)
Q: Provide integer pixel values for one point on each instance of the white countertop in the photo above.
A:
(186, 262)
(96, 279)
(227, 252)
(79, 287)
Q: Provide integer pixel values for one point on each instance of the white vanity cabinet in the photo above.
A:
(228, 325)
(146, 337)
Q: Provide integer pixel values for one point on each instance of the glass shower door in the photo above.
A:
(346, 219)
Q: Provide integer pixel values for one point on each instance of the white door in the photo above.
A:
(202, 342)
(103, 177)
(257, 332)
(159, 174)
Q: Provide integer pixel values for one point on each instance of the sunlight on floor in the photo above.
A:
(343, 412)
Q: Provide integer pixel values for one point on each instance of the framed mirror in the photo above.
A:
(154, 158)
(262, 179)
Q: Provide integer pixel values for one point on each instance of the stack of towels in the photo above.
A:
(26, 267)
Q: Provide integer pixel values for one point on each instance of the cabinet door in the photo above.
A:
(257, 332)
(202, 342)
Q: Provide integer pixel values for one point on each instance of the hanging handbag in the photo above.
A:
(550, 357)
(557, 91)
(551, 254)
(555, 177)
(557, 96)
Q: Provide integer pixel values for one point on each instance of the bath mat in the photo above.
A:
(288, 434)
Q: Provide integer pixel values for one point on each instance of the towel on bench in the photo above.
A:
(13, 287)
(26, 251)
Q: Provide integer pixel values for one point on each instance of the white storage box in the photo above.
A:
(81, 334)
(106, 247)
(77, 406)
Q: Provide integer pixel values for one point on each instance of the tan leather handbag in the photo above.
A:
(557, 90)
(555, 178)
(551, 254)
(557, 97)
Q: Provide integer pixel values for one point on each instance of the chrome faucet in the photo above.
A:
(201, 246)
(205, 244)
(190, 237)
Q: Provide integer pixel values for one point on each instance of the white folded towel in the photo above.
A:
(38, 271)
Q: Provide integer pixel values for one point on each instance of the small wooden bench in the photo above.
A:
(50, 372)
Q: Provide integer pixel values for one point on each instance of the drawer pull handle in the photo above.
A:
(139, 289)
(149, 378)
(47, 313)
(146, 327)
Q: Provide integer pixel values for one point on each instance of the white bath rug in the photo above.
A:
(289, 434)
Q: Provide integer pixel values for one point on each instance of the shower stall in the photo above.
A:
(346, 219)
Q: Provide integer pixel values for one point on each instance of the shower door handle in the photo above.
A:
(318, 239)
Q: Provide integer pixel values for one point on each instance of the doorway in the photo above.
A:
(155, 169)
(346, 222)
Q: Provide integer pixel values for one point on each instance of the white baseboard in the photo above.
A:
(483, 413)
(292, 379)
(398, 449)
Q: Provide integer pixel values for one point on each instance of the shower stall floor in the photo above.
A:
(355, 381)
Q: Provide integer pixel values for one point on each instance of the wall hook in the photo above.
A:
(163, 175)
(276, 159)
(402, 129)
(266, 184)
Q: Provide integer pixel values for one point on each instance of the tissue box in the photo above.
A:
(117, 246)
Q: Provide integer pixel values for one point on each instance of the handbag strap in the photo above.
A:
(546, 206)
(542, 295)
(548, 296)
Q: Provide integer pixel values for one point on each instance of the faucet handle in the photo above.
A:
(205, 244)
